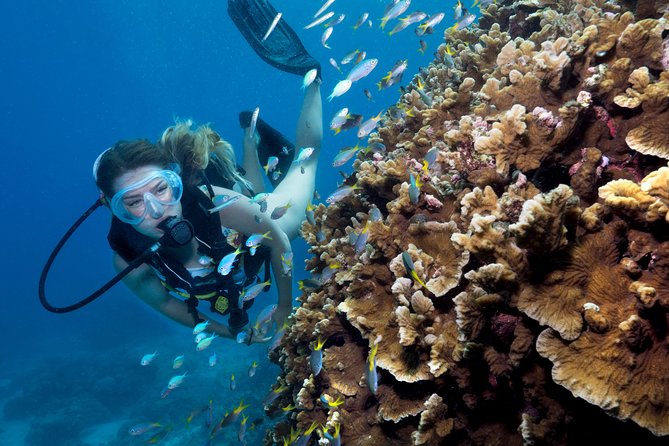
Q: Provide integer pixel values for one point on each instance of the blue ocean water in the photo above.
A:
(75, 78)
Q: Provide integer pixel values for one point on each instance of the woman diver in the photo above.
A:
(151, 187)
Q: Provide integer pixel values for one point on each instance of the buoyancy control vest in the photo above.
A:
(222, 292)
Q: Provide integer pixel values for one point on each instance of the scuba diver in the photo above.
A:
(188, 222)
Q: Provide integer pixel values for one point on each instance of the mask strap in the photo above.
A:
(96, 164)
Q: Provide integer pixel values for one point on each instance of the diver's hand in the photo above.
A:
(251, 336)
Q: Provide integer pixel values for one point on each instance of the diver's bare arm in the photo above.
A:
(144, 283)
(251, 163)
(245, 217)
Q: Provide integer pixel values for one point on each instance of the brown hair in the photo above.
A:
(127, 155)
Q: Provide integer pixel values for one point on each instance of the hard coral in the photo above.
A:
(477, 254)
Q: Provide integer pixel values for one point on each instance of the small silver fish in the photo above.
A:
(348, 58)
(319, 20)
(206, 342)
(222, 202)
(341, 88)
(176, 381)
(272, 26)
(341, 193)
(431, 22)
(362, 69)
(272, 162)
(334, 64)
(326, 35)
(254, 120)
(397, 10)
(309, 78)
(369, 125)
(344, 155)
(253, 291)
(322, 9)
(340, 18)
(361, 20)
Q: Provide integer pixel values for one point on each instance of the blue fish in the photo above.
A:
(316, 358)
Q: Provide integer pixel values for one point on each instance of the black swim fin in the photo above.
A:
(272, 143)
(283, 48)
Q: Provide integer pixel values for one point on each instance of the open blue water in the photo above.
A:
(75, 77)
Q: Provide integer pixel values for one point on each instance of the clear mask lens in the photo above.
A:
(147, 197)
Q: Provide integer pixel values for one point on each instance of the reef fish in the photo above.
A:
(361, 20)
(361, 240)
(414, 188)
(178, 362)
(408, 265)
(338, 120)
(274, 394)
(231, 417)
(327, 401)
(344, 155)
(199, 328)
(241, 431)
(369, 125)
(466, 20)
(280, 211)
(316, 358)
(309, 78)
(200, 336)
(362, 69)
(147, 359)
(206, 342)
(341, 193)
(272, 162)
(252, 369)
(222, 202)
(256, 239)
(304, 155)
(254, 121)
(319, 20)
(395, 11)
(253, 291)
(335, 438)
(371, 374)
(334, 64)
(341, 88)
(287, 262)
(176, 381)
(325, 6)
(142, 428)
(431, 22)
(427, 100)
(336, 21)
(277, 17)
(225, 265)
(326, 35)
(348, 58)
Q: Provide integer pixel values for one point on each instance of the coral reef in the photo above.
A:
(501, 275)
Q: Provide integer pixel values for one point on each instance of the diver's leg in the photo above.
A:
(251, 163)
(299, 183)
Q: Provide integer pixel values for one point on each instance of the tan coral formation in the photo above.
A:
(521, 289)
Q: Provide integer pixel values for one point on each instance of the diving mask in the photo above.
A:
(148, 196)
